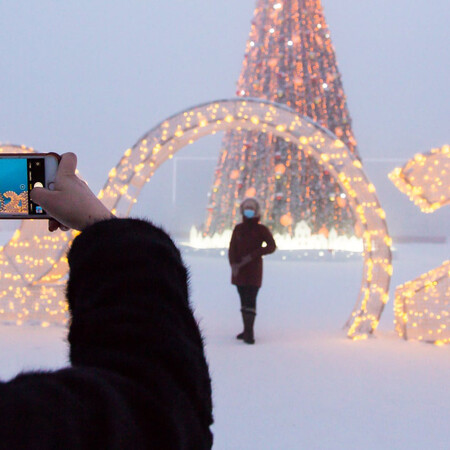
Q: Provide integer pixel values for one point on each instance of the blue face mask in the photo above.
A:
(249, 213)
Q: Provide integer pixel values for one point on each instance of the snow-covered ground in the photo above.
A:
(304, 385)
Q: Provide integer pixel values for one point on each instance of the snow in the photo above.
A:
(303, 385)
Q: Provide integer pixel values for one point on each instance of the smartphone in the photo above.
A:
(19, 174)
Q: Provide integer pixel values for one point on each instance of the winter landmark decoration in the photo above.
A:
(425, 179)
(422, 306)
(289, 59)
(34, 265)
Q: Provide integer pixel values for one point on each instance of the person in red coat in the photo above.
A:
(249, 242)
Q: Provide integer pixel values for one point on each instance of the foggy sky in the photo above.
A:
(93, 76)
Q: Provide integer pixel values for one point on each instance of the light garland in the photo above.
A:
(425, 179)
(422, 306)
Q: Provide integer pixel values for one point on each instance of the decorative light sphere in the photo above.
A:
(273, 62)
(280, 169)
(250, 192)
(342, 202)
(286, 220)
(234, 174)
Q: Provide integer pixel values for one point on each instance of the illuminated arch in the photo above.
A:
(141, 161)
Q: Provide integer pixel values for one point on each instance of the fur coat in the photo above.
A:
(138, 378)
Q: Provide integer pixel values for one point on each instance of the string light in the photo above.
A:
(425, 179)
(422, 306)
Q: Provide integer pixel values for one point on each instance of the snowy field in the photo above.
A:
(304, 385)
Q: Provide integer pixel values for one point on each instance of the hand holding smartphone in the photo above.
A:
(36, 187)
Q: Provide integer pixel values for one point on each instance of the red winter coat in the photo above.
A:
(247, 239)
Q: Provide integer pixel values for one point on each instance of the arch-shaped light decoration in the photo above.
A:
(140, 162)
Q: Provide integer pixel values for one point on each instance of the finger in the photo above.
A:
(68, 164)
(52, 225)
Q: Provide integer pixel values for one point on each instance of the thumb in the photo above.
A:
(68, 164)
(43, 197)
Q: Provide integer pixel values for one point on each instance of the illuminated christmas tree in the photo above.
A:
(289, 59)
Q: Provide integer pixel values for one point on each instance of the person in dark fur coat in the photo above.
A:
(138, 377)
(245, 256)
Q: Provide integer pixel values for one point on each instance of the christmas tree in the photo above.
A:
(289, 59)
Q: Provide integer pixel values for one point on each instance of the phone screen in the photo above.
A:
(18, 176)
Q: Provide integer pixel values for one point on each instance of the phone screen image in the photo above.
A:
(18, 176)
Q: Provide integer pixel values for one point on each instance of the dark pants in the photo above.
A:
(248, 298)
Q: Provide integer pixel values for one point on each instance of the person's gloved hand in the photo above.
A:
(69, 201)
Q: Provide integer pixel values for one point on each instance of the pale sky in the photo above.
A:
(93, 76)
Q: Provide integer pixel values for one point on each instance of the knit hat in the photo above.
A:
(255, 202)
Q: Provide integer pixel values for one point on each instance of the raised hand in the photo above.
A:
(69, 201)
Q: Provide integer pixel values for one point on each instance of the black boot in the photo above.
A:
(241, 335)
(249, 321)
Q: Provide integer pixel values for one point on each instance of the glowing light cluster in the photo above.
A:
(425, 179)
(422, 307)
(302, 239)
(34, 261)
